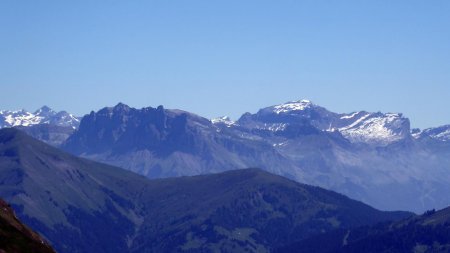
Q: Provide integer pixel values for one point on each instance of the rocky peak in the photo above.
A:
(441, 133)
(121, 107)
(288, 107)
(44, 111)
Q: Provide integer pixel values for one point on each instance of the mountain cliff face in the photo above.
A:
(372, 157)
(16, 237)
(157, 142)
(358, 127)
(84, 206)
(441, 133)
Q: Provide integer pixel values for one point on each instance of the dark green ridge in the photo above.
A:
(426, 233)
(85, 206)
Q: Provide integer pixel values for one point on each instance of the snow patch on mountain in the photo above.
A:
(351, 116)
(377, 128)
(372, 128)
(445, 136)
(18, 118)
(355, 123)
(44, 115)
(441, 133)
(299, 105)
(223, 120)
(275, 127)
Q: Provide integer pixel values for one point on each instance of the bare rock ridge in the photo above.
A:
(372, 157)
(15, 237)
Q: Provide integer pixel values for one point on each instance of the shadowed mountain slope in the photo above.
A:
(79, 205)
(16, 237)
(426, 233)
(84, 206)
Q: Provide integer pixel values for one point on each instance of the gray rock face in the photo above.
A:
(372, 157)
(358, 127)
(156, 142)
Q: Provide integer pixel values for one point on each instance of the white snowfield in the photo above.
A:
(377, 128)
(44, 115)
(373, 128)
(223, 120)
(444, 135)
(20, 118)
(412, 175)
(441, 133)
(292, 106)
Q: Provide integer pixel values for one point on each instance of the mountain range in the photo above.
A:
(373, 157)
(45, 124)
(44, 115)
(157, 142)
(84, 206)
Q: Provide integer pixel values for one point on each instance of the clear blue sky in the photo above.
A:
(227, 57)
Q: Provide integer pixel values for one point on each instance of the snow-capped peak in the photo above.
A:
(223, 120)
(44, 110)
(44, 115)
(18, 118)
(299, 105)
(441, 133)
(381, 128)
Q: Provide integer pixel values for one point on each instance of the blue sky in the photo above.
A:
(227, 57)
